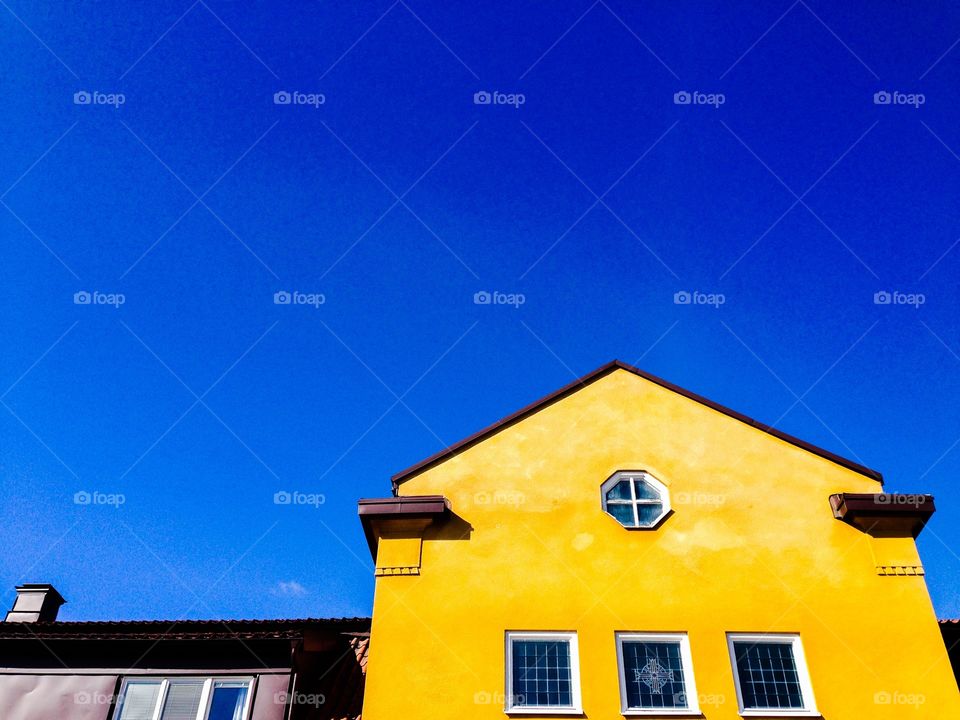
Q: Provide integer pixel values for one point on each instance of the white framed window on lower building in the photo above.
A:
(770, 672)
(185, 698)
(542, 673)
(656, 674)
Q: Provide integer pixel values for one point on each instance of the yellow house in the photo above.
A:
(624, 547)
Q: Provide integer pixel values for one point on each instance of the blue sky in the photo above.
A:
(183, 189)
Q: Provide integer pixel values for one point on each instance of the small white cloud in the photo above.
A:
(290, 588)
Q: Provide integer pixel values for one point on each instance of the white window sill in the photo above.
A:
(780, 713)
(544, 710)
(661, 712)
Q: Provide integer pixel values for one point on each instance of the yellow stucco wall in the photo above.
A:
(752, 546)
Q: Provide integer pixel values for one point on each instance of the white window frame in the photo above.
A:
(809, 708)
(206, 694)
(689, 684)
(633, 502)
(576, 707)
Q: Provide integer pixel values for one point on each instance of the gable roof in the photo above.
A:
(592, 377)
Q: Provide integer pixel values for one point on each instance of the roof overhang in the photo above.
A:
(884, 514)
(397, 513)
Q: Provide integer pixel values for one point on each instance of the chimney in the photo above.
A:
(36, 602)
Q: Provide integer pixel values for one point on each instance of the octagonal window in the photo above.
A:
(635, 499)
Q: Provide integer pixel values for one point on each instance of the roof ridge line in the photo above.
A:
(592, 377)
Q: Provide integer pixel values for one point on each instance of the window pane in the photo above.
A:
(623, 513)
(228, 702)
(646, 491)
(648, 513)
(541, 673)
(653, 674)
(620, 491)
(139, 700)
(768, 675)
(182, 701)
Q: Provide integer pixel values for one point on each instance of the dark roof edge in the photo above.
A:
(180, 629)
(600, 372)
(884, 514)
(410, 506)
(207, 622)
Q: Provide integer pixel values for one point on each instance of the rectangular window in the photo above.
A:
(543, 673)
(185, 698)
(229, 700)
(771, 675)
(656, 674)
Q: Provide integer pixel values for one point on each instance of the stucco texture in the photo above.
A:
(751, 546)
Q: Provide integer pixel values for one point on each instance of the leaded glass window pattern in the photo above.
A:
(656, 674)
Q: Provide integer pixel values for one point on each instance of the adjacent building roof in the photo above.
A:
(328, 656)
(180, 629)
(592, 377)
